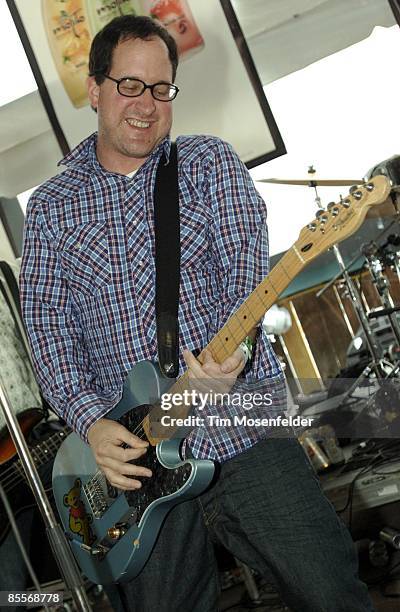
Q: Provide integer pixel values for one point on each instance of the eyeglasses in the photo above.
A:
(132, 88)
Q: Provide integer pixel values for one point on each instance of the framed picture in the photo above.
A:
(220, 91)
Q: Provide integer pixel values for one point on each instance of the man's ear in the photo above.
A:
(93, 92)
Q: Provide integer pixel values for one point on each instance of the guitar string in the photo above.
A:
(9, 475)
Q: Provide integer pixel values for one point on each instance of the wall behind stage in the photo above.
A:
(217, 96)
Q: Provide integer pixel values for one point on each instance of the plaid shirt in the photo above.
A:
(88, 274)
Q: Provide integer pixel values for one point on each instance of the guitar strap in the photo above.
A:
(167, 260)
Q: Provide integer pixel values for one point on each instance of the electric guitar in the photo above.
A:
(112, 532)
(12, 474)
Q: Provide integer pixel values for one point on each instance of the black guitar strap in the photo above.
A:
(168, 259)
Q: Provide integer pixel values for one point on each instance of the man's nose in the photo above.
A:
(146, 102)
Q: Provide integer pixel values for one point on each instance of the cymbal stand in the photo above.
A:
(392, 258)
(358, 256)
(55, 534)
(382, 285)
(372, 342)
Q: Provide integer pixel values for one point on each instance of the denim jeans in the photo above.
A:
(268, 510)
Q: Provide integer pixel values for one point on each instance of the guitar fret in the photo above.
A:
(283, 268)
(239, 327)
(243, 313)
(51, 444)
(39, 454)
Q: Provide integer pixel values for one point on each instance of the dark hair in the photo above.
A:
(121, 29)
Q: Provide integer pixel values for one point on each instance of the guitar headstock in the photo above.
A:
(341, 219)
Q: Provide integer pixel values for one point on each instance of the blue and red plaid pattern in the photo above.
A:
(88, 275)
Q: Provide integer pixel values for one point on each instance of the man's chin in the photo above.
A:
(141, 152)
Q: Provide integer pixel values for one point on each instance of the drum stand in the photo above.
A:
(382, 285)
(61, 550)
(377, 364)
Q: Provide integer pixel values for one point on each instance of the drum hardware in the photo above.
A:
(382, 284)
(383, 312)
(377, 365)
(390, 257)
(343, 310)
(353, 261)
(391, 536)
(372, 342)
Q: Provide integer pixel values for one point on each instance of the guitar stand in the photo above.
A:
(61, 550)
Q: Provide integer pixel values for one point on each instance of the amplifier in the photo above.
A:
(378, 486)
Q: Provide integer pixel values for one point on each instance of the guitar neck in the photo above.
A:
(235, 330)
(249, 314)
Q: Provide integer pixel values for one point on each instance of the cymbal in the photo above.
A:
(313, 182)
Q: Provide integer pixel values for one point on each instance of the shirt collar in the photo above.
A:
(84, 155)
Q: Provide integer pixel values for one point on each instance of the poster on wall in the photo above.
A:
(220, 92)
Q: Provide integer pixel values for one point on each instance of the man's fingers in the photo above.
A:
(120, 454)
(192, 363)
(234, 362)
(208, 358)
(122, 482)
(106, 431)
(130, 439)
(127, 469)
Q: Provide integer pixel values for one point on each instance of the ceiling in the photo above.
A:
(283, 36)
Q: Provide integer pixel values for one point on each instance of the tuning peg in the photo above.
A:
(345, 203)
(312, 226)
(357, 194)
(333, 209)
(321, 216)
(369, 186)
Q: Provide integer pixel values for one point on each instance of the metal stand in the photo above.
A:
(382, 285)
(373, 344)
(250, 583)
(63, 555)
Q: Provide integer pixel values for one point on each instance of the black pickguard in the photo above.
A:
(164, 481)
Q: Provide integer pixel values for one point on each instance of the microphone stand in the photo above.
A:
(61, 550)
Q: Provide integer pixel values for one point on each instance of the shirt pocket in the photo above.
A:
(85, 257)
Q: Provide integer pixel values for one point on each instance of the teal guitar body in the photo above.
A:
(112, 532)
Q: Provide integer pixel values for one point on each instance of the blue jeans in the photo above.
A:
(268, 510)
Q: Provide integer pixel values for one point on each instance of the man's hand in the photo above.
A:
(105, 438)
(212, 377)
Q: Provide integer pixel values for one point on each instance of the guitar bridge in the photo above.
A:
(96, 494)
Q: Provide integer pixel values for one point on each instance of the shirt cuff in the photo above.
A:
(87, 407)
